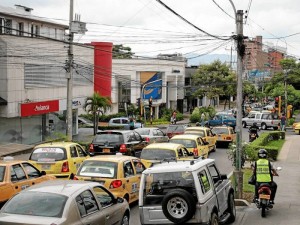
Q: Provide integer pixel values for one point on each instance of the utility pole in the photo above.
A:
(285, 92)
(70, 77)
(240, 53)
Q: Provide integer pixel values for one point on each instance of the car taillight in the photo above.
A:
(115, 184)
(123, 148)
(147, 139)
(228, 138)
(195, 152)
(65, 167)
(91, 148)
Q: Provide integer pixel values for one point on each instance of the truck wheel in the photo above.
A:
(244, 124)
(264, 126)
(231, 208)
(214, 220)
(178, 206)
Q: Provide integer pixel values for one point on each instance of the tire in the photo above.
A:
(178, 206)
(264, 126)
(244, 124)
(214, 220)
(231, 208)
(125, 220)
(263, 210)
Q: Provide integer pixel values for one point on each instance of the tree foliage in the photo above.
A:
(95, 105)
(122, 52)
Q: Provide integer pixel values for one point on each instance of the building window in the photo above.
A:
(8, 26)
(21, 29)
(1, 25)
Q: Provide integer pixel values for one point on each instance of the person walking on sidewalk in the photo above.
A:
(264, 172)
(282, 122)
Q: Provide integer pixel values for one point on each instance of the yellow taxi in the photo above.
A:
(60, 159)
(158, 152)
(120, 174)
(206, 134)
(296, 127)
(225, 134)
(193, 143)
(17, 175)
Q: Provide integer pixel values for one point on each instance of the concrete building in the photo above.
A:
(33, 89)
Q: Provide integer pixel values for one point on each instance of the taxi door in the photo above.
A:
(77, 156)
(211, 139)
(131, 181)
(202, 147)
(18, 178)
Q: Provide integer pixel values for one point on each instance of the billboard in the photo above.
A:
(151, 83)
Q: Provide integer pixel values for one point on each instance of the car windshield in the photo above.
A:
(98, 169)
(198, 132)
(36, 204)
(143, 131)
(2, 171)
(185, 142)
(157, 154)
(48, 154)
(220, 130)
(228, 118)
(109, 137)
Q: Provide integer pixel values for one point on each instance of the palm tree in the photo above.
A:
(95, 105)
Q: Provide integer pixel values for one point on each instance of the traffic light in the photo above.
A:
(150, 102)
(138, 102)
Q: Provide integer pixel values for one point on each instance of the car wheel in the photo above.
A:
(214, 220)
(125, 220)
(244, 124)
(231, 208)
(178, 206)
(264, 126)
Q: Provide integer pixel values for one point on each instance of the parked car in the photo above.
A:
(264, 119)
(65, 202)
(16, 175)
(122, 122)
(186, 192)
(109, 142)
(164, 151)
(83, 122)
(174, 129)
(193, 143)
(206, 134)
(225, 134)
(152, 134)
(60, 159)
(120, 174)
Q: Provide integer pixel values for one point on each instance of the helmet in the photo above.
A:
(262, 153)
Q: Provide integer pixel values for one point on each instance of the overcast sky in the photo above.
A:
(149, 28)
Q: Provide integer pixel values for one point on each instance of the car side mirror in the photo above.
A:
(72, 176)
(190, 154)
(206, 143)
(120, 200)
(224, 177)
(42, 173)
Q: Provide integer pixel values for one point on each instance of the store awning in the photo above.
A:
(3, 101)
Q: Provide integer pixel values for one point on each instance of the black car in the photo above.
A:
(110, 142)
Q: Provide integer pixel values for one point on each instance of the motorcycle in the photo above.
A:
(264, 195)
(252, 136)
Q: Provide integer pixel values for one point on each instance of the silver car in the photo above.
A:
(152, 135)
(65, 202)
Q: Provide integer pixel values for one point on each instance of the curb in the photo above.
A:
(241, 202)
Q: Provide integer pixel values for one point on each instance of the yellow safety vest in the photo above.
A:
(263, 172)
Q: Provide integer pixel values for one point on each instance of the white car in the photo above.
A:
(122, 122)
(186, 192)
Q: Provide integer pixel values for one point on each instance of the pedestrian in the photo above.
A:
(282, 122)
(174, 117)
(202, 119)
(131, 124)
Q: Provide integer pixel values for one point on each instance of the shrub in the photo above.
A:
(195, 117)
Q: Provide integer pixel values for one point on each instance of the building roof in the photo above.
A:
(23, 12)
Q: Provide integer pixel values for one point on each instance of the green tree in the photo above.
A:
(95, 105)
(122, 52)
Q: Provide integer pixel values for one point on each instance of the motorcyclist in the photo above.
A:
(253, 130)
(264, 172)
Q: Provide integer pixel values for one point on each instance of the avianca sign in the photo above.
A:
(37, 108)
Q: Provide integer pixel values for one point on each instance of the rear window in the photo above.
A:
(98, 169)
(220, 130)
(143, 131)
(185, 142)
(157, 154)
(197, 132)
(175, 129)
(48, 154)
(36, 204)
(2, 172)
(108, 137)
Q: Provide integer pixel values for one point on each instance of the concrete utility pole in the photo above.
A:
(240, 53)
(70, 77)
(285, 92)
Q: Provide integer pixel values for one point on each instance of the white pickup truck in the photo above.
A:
(264, 120)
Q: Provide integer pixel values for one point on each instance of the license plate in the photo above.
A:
(46, 167)
(264, 196)
(229, 122)
(106, 150)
